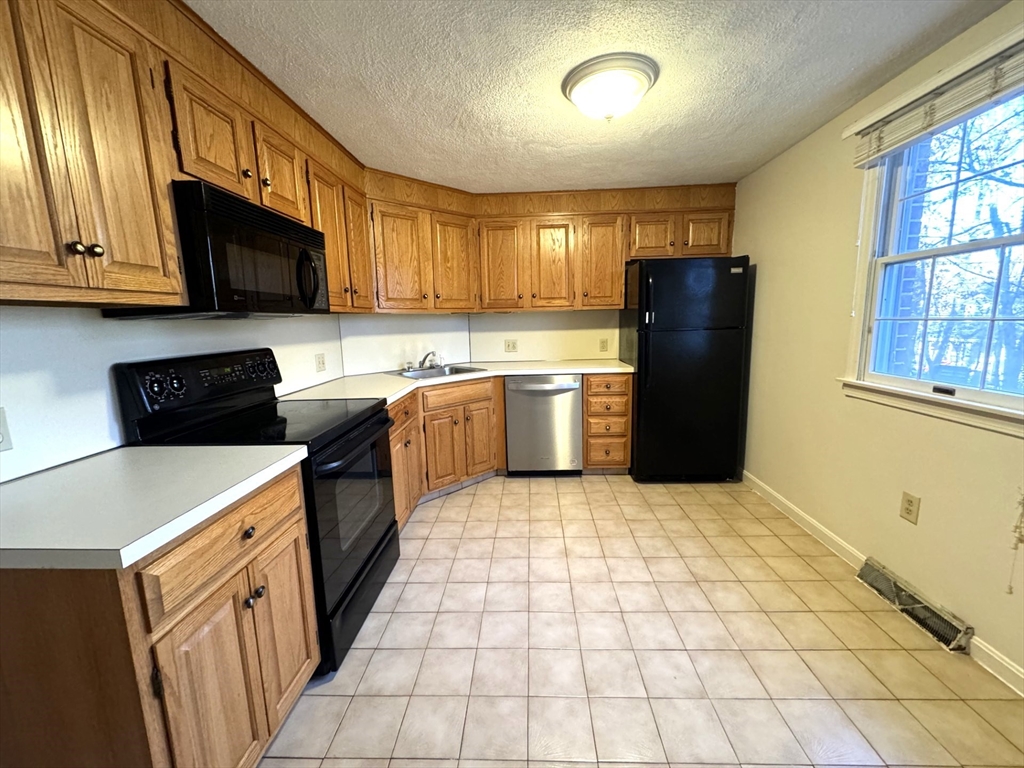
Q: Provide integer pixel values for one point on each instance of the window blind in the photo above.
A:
(1000, 77)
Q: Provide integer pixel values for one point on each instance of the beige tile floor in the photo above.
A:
(596, 620)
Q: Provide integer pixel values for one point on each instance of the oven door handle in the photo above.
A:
(350, 448)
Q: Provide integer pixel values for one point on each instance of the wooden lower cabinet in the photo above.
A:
(479, 431)
(459, 431)
(446, 447)
(607, 420)
(209, 686)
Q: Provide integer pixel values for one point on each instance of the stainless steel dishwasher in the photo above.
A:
(544, 423)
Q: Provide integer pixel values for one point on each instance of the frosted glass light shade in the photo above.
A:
(609, 86)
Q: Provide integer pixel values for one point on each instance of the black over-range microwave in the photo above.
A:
(241, 259)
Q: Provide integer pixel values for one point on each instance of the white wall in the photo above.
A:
(544, 335)
(372, 343)
(842, 461)
(55, 384)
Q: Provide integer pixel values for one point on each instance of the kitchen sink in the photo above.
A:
(441, 370)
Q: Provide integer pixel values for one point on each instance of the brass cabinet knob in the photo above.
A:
(468, 418)
(96, 250)
(265, 181)
(671, 242)
(520, 295)
(456, 422)
(607, 407)
(77, 247)
(246, 173)
(533, 295)
(585, 294)
(607, 386)
(607, 453)
(426, 296)
(686, 242)
(607, 427)
(437, 295)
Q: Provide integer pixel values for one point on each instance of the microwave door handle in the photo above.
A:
(300, 277)
(316, 282)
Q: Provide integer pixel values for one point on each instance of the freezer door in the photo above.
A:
(680, 294)
(688, 405)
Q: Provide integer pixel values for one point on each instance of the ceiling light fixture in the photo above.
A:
(610, 85)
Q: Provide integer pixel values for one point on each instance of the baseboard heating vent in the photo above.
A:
(948, 629)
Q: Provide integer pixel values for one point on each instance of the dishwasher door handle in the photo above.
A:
(543, 387)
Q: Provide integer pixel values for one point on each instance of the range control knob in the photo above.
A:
(271, 366)
(176, 383)
(250, 368)
(261, 368)
(156, 385)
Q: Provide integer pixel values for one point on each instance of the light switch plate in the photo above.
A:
(602, 345)
(511, 345)
(321, 362)
(5, 433)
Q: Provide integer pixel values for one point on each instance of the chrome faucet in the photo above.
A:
(423, 362)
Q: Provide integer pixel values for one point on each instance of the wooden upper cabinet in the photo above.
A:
(286, 630)
(502, 264)
(34, 239)
(327, 206)
(455, 260)
(401, 237)
(445, 447)
(214, 138)
(602, 260)
(282, 173)
(653, 234)
(114, 125)
(213, 697)
(360, 249)
(552, 263)
(479, 431)
(706, 234)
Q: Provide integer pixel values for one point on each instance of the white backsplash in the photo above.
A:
(545, 335)
(372, 343)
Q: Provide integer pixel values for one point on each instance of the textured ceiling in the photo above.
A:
(467, 93)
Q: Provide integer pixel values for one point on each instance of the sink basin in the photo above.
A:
(431, 373)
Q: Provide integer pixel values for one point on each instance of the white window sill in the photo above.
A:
(992, 418)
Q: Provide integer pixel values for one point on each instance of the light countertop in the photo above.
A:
(392, 387)
(114, 508)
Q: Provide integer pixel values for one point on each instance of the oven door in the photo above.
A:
(354, 503)
(258, 271)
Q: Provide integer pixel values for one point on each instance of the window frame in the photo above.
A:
(1002, 412)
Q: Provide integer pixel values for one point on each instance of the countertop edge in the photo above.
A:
(131, 553)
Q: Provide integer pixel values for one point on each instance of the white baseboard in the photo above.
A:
(999, 665)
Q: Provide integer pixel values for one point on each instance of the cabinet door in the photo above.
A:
(327, 206)
(501, 265)
(602, 261)
(400, 476)
(706, 234)
(552, 263)
(415, 468)
(455, 262)
(286, 633)
(480, 450)
(114, 123)
(282, 169)
(213, 698)
(401, 239)
(214, 140)
(35, 235)
(653, 234)
(445, 447)
(360, 250)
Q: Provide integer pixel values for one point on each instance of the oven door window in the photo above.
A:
(254, 272)
(354, 507)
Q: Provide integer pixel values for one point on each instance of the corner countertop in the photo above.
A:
(114, 508)
(392, 387)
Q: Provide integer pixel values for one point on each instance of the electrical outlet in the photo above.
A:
(910, 507)
(602, 345)
(321, 362)
(511, 345)
(5, 433)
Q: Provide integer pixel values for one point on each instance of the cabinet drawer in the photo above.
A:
(607, 451)
(608, 384)
(403, 411)
(608, 405)
(607, 426)
(436, 397)
(171, 580)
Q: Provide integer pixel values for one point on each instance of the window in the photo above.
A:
(948, 301)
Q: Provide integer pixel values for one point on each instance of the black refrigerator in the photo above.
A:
(686, 332)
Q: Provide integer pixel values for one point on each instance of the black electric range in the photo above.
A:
(228, 399)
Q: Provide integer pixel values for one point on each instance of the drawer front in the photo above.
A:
(437, 397)
(617, 384)
(607, 451)
(608, 405)
(171, 580)
(404, 411)
(607, 426)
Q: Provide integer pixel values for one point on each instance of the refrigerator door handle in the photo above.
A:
(649, 314)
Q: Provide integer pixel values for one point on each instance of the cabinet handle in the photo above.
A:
(468, 418)
(686, 242)
(77, 247)
(261, 590)
(520, 295)
(437, 295)
(585, 294)
(246, 173)
(249, 532)
(607, 427)
(533, 295)
(456, 422)
(607, 453)
(426, 296)
(671, 242)
(607, 386)
(346, 289)
(405, 412)
(96, 250)
(407, 443)
(608, 407)
(355, 291)
(249, 602)
(265, 181)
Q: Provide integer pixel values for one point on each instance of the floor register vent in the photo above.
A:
(944, 626)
